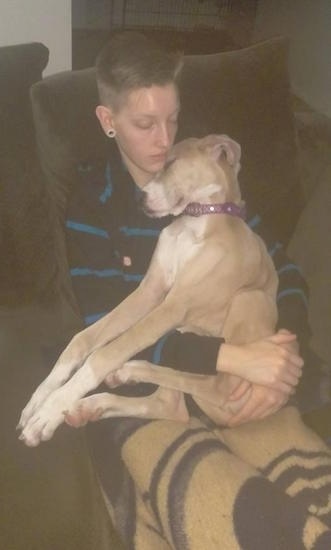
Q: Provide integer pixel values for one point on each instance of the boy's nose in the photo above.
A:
(164, 138)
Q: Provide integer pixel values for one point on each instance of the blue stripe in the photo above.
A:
(139, 232)
(90, 319)
(156, 358)
(291, 292)
(87, 229)
(272, 251)
(108, 190)
(103, 273)
(83, 271)
(135, 277)
(289, 267)
(253, 222)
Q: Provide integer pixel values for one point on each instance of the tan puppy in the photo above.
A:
(210, 274)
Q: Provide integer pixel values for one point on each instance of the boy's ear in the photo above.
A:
(105, 117)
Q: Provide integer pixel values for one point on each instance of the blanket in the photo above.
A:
(265, 484)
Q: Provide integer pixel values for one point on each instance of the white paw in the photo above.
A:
(37, 399)
(54, 380)
(44, 421)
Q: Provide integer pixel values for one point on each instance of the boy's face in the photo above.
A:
(146, 127)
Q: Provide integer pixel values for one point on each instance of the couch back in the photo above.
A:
(243, 93)
(20, 66)
(27, 265)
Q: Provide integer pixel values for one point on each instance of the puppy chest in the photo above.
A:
(176, 249)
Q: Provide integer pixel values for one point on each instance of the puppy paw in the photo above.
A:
(123, 375)
(37, 399)
(40, 428)
(44, 421)
(84, 411)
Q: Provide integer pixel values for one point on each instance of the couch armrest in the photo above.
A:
(309, 246)
(314, 145)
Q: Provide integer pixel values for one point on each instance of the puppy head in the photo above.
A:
(197, 170)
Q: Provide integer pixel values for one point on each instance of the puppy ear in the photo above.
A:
(219, 145)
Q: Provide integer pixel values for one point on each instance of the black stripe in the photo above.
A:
(295, 472)
(300, 453)
(162, 463)
(318, 497)
(178, 487)
(127, 427)
(265, 518)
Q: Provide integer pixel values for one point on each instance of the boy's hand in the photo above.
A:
(273, 361)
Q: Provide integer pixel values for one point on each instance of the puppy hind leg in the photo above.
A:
(251, 316)
(162, 404)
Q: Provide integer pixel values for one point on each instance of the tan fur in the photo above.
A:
(210, 275)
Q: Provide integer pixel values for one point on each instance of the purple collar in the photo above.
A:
(196, 209)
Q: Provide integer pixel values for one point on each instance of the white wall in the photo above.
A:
(46, 21)
(308, 25)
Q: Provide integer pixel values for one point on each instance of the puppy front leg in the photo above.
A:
(69, 362)
(43, 422)
(149, 294)
(166, 403)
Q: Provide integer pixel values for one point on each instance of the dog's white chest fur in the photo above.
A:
(178, 243)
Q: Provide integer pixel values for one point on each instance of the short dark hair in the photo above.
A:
(130, 61)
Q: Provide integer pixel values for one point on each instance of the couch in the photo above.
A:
(48, 499)
(52, 491)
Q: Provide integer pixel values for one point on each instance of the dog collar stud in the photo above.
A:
(196, 209)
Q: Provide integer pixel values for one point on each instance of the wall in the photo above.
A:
(308, 25)
(91, 15)
(103, 14)
(46, 21)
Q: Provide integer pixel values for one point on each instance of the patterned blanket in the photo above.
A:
(262, 485)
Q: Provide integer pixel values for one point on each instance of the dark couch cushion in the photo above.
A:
(28, 269)
(27, 220)
(67, 129)
(20, 66)
(86, 43)
(244, 93)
